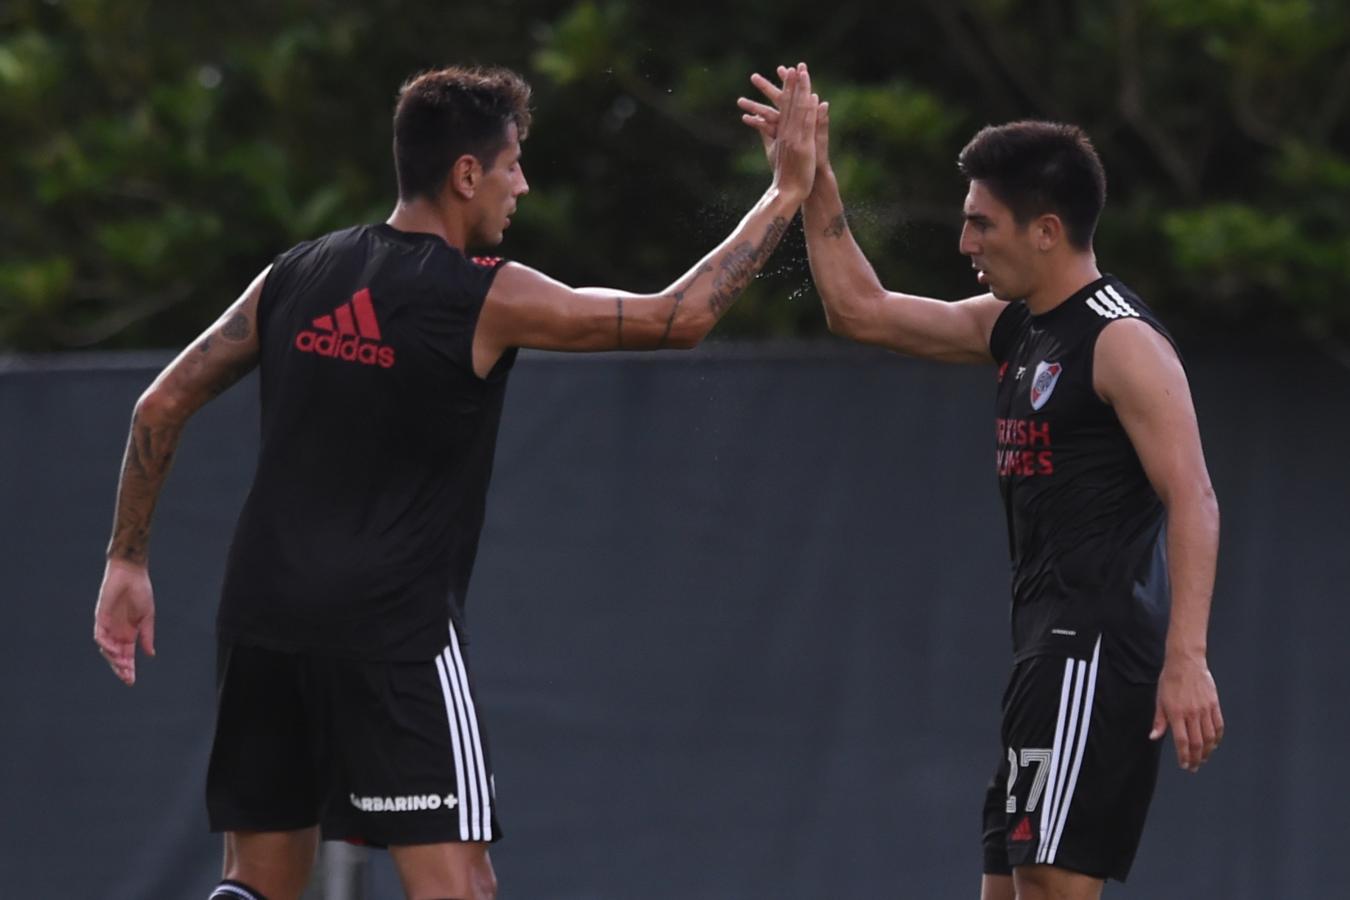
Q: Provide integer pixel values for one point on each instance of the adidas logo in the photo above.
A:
(1023, 830)
(346, 334)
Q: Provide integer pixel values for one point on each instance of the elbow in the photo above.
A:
(685, 341)
(160, 406)
(851, 314)
(687, 334)
(1199, 504)
(838, 324)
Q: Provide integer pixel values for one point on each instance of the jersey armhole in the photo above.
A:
(271, 284)
(1005, 329)
(487, 268)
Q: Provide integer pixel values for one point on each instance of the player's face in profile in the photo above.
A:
(502, 185)
(1000, 250)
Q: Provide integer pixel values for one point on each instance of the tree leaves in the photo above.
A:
(156, 156)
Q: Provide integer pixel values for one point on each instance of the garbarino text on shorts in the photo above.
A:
(407, 803)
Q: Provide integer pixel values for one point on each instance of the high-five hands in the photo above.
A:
(792, 146)
(766, 117)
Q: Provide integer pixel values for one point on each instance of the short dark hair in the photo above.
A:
(445, 113)
(1036, 168)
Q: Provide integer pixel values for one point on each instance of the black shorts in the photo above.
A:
(379, 752)
(1077, 771)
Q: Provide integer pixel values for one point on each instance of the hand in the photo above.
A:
(1188, 700)
(125, 610)
(794, 151)
(764, 118)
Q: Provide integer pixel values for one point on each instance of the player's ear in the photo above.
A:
(1048, 232)
(465, 174)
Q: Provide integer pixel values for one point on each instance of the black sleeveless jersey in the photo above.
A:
(361, 527)
(1085, 527)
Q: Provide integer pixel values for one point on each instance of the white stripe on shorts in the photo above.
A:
(1071, 736)
(485, 795)
(452, 718)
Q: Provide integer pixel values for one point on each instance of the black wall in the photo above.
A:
(739, 627)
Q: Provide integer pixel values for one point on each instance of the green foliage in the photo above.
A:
(157, 155)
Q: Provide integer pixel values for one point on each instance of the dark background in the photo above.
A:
(739, 625)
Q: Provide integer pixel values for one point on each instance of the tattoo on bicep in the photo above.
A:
(741, 264)
(679, 298)
(618, 315)
(838, 225)
(237, 328)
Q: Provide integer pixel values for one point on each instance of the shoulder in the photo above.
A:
(1132, 352)
(516, 281)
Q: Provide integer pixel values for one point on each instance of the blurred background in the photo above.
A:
(156, 155)
(740, 615)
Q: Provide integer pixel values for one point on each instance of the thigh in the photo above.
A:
(1080, 766)
(995, 821)
(435, 871)
(261, 772)
(407, 761)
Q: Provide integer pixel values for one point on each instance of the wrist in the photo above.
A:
(1186, 652)
(119, 558)
(785, 198)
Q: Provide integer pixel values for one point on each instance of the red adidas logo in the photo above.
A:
(1023, 830)
(346, 332)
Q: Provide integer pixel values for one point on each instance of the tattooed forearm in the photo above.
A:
(618, 315)
(838, 225)
(150, 450)
(740, 265)
(679, 299)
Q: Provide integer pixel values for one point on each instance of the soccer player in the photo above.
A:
(345, 705)
(1111, 516)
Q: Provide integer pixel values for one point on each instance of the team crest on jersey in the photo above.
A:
(1043, 384)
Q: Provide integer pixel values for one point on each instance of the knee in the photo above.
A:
(484, 883)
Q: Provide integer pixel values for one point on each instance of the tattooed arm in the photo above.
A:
(858, 307)
(223, 354)
(526, 308)
(856, 304)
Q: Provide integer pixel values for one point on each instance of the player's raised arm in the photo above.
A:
(222, 355)
(856, 304)
(525, 308)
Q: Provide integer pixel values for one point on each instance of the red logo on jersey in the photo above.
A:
(1002, 370)
(349, 333)
(1018, 441)
(486, 262)
(1023, 831)
(1043, 384)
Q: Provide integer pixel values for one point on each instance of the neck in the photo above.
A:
(1063, 279)
(422, 216)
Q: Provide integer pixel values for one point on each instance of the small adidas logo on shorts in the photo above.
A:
(349, 333)
(1022, 832)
